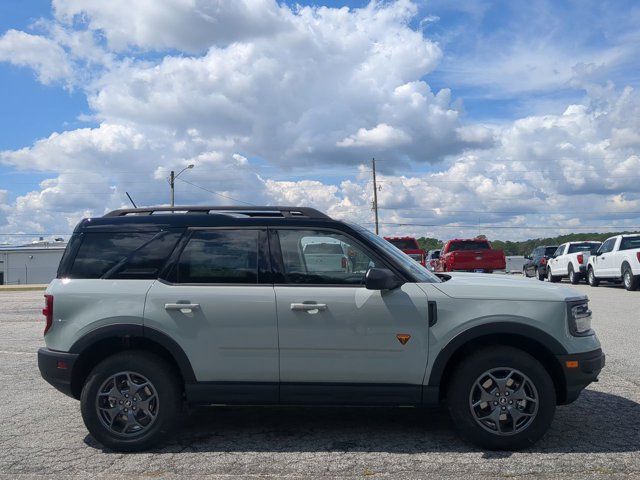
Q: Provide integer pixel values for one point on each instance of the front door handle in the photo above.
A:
(183, 307)
(308, 307)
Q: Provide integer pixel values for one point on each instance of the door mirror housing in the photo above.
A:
(381, 279)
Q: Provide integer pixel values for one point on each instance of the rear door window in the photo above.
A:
(629, 243)
(220, 256)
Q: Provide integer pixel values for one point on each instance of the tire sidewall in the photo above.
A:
(573, 277)
(474, 366)
(164, 381)
(632, 284)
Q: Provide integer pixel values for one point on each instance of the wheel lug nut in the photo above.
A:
(121, 402)
(507, 394)
(504, 408)
(510, 402)
(497, 394)
(495, 403)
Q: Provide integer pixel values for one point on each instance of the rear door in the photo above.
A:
(216, 305)
(339, 342)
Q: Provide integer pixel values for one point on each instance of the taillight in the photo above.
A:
(638, 255)
(543, 261)
(580, 258)
(47, 311)
(344, 262)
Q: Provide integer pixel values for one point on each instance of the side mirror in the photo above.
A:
(381, 279)
(527, 257)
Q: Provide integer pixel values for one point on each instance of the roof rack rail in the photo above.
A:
(248, 211)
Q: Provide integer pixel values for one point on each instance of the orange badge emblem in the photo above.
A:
(403, 338)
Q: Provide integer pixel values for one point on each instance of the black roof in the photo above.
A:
(154, 218)
(250, 211)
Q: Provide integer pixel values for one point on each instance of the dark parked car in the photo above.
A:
(536, 264)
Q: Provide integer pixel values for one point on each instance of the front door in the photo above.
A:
(217, 309)
(604, 262)
(339, 342)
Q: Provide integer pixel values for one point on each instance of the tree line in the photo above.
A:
(524, 247)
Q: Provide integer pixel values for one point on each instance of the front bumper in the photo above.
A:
(580, 369)
(56, 368)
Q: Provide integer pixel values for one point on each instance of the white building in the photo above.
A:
(33, 263)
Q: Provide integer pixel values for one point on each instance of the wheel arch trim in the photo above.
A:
(132, 331)
(495, 328)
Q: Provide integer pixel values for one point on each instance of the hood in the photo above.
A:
(503, 287)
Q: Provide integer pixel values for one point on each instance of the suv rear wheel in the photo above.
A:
(539, 274)
(501, 398)
(131, 401)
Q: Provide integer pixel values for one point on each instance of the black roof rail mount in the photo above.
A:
(248, 211)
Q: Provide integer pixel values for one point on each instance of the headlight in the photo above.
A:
(580, 319)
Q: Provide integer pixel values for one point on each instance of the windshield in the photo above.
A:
(420, 273)
(584, 247)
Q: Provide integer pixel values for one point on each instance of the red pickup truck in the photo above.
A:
(474, 255)
(409, 245)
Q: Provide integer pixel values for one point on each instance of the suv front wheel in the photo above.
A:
(131, 401)
(501, 398)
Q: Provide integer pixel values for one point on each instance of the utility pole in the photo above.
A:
(172, 178)
(375, 193)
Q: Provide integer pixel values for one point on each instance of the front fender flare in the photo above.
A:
(494, 328)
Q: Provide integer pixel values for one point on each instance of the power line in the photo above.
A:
(216, 193)
(506, 227)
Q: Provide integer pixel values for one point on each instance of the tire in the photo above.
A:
(552, 278)
(539, 275)
(630, 281)
(592, 280)
(162, 397)
(464, 389)
(574, 277)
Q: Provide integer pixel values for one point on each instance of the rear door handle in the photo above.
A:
(183, 307)
(308, 307)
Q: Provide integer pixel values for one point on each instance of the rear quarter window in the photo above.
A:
(100, 252)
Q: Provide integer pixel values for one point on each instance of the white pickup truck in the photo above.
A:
(617, 259)
(570, 260)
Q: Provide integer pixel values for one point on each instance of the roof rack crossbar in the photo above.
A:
(257, 211)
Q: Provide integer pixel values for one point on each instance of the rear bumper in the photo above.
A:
(56, 367)
(589, 365)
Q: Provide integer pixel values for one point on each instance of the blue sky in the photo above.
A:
(469, 89)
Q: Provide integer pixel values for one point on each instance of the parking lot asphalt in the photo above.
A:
(42, 434)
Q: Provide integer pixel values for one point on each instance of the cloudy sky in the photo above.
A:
(516, 119)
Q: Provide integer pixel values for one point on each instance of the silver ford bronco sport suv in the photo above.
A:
(156, 308)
